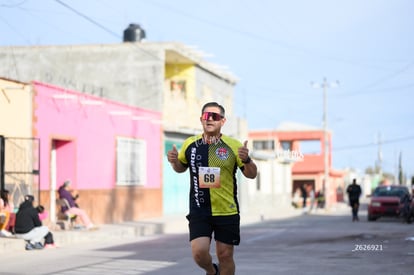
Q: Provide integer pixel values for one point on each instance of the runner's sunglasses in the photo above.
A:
(214, 116)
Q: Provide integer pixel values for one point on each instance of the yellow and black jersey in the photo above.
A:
(213, 169)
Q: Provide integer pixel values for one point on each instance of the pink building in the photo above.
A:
(111, 152)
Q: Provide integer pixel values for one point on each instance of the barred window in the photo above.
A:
(131, 167)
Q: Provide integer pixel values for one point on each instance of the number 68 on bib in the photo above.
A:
(209, 177)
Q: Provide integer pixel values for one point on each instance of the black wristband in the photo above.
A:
(248, 160)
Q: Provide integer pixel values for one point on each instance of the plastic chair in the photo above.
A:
(65, 219)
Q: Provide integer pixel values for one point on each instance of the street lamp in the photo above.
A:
(325, 85)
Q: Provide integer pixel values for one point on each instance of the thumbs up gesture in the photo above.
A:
(244, 153)
(172, 155)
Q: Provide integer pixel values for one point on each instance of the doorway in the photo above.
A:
(62, 167)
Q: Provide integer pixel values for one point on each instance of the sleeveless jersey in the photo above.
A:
(213, 167)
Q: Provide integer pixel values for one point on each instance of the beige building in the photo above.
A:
(15, 120)
(21, 162)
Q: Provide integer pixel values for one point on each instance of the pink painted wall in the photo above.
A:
(92, 133)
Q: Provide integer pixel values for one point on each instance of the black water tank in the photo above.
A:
(133, 33)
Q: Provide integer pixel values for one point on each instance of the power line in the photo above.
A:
(105, 28)
(88, 19)
(256, 37)
(206, 21)
(234, 30)
(372, 144)
(390, 76)
(13, 5)
(384, 90)
(101, 26)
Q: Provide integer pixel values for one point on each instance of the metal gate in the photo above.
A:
(20, 167)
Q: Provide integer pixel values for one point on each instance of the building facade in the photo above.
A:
(308, 167)
(110, 152)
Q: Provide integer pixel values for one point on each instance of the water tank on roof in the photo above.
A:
(134, 33)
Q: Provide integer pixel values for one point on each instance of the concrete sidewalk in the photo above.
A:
(150, 227)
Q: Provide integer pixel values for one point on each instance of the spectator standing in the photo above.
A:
(304, 195)
(354, 192)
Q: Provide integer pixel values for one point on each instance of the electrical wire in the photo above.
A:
(366, 145)
(13, 5)
(89, 19)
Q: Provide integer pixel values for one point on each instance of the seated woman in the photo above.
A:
(4, 220)
(65, 193)
(29, 227)
(7, 216)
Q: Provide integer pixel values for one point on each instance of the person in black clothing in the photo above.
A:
(304, 194)
(354, 192)
(407, 211)
(29, 227)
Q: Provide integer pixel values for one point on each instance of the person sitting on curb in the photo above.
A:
(29, 227)
(65, 193)
(7, 215)
(43, 214)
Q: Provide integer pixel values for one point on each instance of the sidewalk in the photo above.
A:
(150, 227)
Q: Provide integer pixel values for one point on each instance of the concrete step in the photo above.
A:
(103, 233)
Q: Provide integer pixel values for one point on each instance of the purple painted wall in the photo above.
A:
(84, 132)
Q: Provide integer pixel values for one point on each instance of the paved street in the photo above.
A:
(306, 244)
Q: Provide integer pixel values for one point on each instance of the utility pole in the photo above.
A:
(325, 85)
(379, 161)
(400, 170)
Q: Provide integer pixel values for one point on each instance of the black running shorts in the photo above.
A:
(226, 228)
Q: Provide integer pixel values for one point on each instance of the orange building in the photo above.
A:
(292, 140)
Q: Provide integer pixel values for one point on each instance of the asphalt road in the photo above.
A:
(308, 244)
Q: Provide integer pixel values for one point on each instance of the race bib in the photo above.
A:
(209, 177)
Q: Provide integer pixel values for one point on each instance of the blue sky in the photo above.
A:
(276, 48)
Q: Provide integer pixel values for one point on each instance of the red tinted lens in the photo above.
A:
(214, 116)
